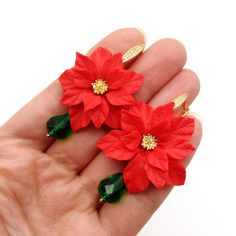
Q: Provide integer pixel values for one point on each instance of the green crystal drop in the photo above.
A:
(112, 188)
(59, 126)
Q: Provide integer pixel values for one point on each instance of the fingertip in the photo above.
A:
(143, 33)
(132, 34)
(173, 45)
(195, 81)
(197, 136)
(121, 40)
(196, 116)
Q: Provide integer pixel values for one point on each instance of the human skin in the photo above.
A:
(49, 187)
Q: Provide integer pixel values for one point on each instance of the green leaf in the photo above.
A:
(59, 126)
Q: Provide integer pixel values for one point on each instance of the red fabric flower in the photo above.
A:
(97, 88)
(154, 141)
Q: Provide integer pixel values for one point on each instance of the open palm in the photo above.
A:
(49, 187)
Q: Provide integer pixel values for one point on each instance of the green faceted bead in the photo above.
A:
(59, 126)
(112, 188)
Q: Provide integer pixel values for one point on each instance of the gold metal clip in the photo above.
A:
(132, 53)
(180, 102)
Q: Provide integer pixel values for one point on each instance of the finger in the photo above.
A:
(30, 122)
(184, 82)
(138, 207)
(158, 64)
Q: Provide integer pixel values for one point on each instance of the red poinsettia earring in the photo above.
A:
(96, 89)
(154, 142)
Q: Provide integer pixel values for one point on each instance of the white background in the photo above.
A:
(38, 40)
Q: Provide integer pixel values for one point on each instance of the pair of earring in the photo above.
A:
(99, 89)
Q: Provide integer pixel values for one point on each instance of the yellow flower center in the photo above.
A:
(149, 142)
(100, 86)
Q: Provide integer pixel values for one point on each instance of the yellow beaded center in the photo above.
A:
(100, 86)
(149, 142)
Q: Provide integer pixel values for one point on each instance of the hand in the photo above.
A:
(49, 187)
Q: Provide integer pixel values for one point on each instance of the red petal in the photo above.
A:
(85, 79)
(132, 140)
(78, 118)
(91, 101)
(163, 113)
(177, 173)
(182, 127)
(158, 158)
(118, 99)
(72, 97)
(156, 176)
(131, 122)
(74, 78)
(99, 114)
(112, 146)
(135, 176)
(73, 93)
(160, 130)
(115, 79)
(144, 111)
(113, 63)
(68, 78)
(178, 149)
(132, 82)
(84, 63)
(99, 56)
(113, 119)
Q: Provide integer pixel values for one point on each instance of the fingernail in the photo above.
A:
(142, 32)
(195, 115)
